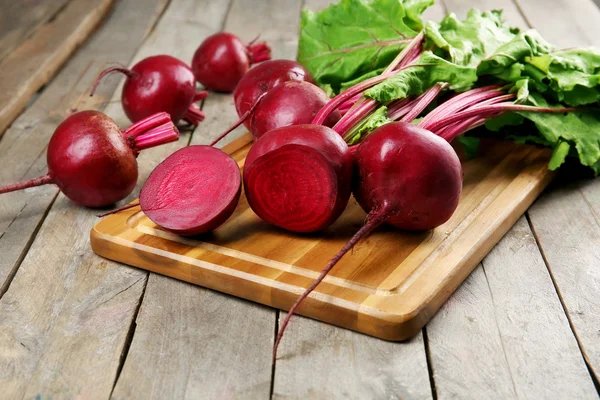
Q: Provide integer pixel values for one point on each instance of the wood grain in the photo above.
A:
(565, 220)
(504, 332)
(320, 361)
(19, 19)
(196, 359)
(30, 66)
(65, 317)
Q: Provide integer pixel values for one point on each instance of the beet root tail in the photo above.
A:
(240, 121)
(152, 131)
(374, 219)
(42, 180)
(129, 73)
(118, 210)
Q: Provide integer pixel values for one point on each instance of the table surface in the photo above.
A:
(525, 324)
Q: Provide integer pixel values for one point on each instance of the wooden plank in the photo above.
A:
(565, 220)
(65, 318)
(19, 19)
(36, 61)
(320, 361)
(504, 333)
(193, 343)
(465, 347)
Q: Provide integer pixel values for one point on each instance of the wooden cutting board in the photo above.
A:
(389, 286)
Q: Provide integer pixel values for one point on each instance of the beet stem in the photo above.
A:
(152, 131)
(42, 180)
(488, 111)
(240, 121)
(123, 70)
(117, 210)
(423, 101)
(258, 52)
(194, 115)
(200, 95)
(374, 219)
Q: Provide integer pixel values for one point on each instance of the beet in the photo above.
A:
(193, 191)
(93, 162)
(222, 60)
(405, 176)
(299, 177)
(290, 103)
(262, 78)
(159, 84)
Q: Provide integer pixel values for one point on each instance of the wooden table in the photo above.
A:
(525, 324)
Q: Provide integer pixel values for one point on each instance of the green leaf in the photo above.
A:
(559, 155)
(456, 49)
(354, 37)
(374, 121)
(470, 145)
(467, 42)
(523, 45)
(427, 71)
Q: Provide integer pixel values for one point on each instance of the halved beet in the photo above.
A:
(298, 177)
(195, 190)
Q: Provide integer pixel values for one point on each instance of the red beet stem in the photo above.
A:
(240, 121)
(42, 180)
(421, 102)
(200, 95)
(374, 219)
(152, 131)
(127, 207)
(258, 52)
(110, 70)
(194, 115)
(363, 107)
(488, 111)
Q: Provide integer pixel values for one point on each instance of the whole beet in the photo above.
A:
(222, 59)
(290, 103)
(262, 78)
(159, 84)
(93, 162)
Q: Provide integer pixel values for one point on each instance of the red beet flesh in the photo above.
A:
(222, 60)
(290, 103)
(195, 190)
(159, 84)
(93, 162)
(298, 177)
(263, 77)
(405, 176)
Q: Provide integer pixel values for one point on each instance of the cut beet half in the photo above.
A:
(194, 191)
(298, 177)
(293, 188)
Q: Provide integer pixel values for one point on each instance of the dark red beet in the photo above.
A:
(93, 162)
(159, 84)
(263, 77)
(290, 103)
(195, 190)
(222, 60)
(405, 176)
(298, 177)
